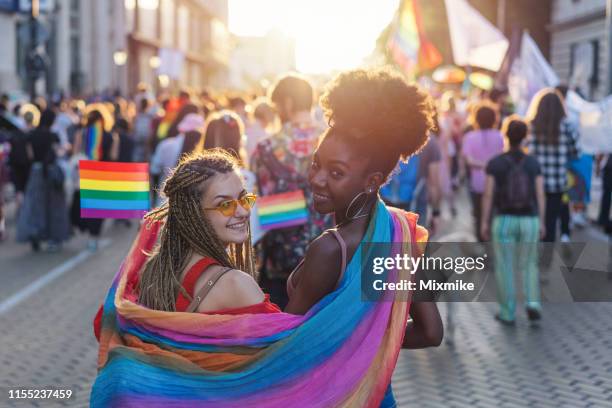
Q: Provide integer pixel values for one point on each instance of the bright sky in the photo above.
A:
(329, 34)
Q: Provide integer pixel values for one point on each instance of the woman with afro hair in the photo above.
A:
(375, 119)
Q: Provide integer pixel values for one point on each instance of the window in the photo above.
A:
(130, 6)
(167, 22)
(183, 27)
(584, 67)
(147, 18)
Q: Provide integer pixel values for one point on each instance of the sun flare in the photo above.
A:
(329, 35)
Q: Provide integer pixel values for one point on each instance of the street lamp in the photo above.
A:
(120, 58)
(154, 62)
(164, 80)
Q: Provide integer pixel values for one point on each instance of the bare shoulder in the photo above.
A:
(234, 289)
(325, 245)
(323, 260)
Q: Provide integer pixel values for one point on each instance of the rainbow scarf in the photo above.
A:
(93, 141)
(342, 353)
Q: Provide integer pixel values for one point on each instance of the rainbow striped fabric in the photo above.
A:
(94, 135)
(408, 44)
(342, 353)
(282, 210)
(113, 189)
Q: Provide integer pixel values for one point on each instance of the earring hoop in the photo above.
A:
(358, 213)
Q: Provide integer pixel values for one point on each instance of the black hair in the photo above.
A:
(46, 119)
(185, 110)
(295, 88)
(380, 113)
(562, 89)
(486, 116)
(144, 104)
(515, 129)
(122, 125)
(546, 112)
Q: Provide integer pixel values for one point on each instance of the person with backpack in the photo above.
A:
(514, 191)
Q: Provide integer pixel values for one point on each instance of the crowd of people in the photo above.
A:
(367, 140)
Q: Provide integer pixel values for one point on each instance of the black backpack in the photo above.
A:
(516, 193)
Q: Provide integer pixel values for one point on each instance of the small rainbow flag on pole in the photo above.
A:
(282, 210)
(113, 189)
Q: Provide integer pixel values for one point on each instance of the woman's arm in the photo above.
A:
(487, 201)
(318, 275)
(425, 327)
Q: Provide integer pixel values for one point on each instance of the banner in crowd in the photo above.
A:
(529, 73)
(114, 190)
(595, 119)
(408, 45)
(475, 40)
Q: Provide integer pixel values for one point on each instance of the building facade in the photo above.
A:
(98, 47)
(579, 46)
(260, 58)
(177, 42)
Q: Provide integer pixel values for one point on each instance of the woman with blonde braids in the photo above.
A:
(203, 261)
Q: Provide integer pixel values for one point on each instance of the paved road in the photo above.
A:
(47, 339)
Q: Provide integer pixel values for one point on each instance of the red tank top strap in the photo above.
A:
(191, 277)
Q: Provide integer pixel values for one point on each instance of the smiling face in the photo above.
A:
(224, 187)
(338, 173)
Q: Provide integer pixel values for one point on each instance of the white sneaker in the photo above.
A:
(565, 238)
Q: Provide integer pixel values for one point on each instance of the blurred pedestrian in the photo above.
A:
(552, 141)
(604, 170)
(126, 141)
(43, 215)
(261, 126)
(479, 146)
(514, 195)
(94, 142)
(142, 129)
(4, 177)
(239, 105)
(416, 186)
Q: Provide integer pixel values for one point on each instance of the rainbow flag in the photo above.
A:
(282, 210)
(113, 189)
(408, 44)
(93, 141)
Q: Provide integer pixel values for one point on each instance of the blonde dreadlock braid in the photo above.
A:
(187, 230)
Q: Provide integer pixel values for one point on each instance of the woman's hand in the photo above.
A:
(425, 328)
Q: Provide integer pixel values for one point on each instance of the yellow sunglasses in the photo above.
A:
(228, 207)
